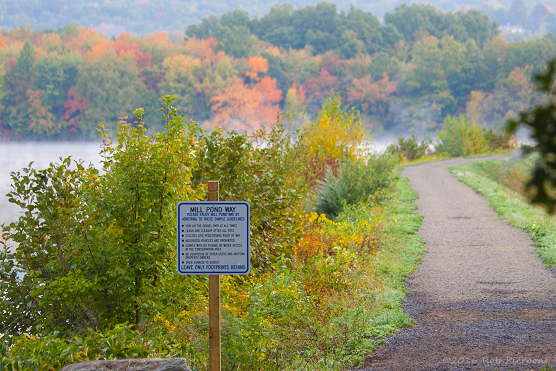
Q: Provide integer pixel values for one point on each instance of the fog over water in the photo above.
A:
(14, 156)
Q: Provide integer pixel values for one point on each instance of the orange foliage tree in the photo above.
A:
(258, 65)
(242, 107)
(371, 95)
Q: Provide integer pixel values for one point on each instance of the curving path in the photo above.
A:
(482, 298)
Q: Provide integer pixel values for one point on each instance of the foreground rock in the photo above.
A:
(146, 364)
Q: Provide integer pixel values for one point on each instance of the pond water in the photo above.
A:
(14, 156)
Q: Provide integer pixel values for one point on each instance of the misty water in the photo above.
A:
(14, 156)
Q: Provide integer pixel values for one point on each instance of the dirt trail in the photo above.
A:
(482, 298)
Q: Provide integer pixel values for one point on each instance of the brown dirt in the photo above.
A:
(482, 298)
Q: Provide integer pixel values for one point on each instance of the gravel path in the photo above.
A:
(482, 298)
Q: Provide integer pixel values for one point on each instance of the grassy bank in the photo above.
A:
(502, 183)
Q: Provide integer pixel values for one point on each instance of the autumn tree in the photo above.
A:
(246, 107)
(371, 96)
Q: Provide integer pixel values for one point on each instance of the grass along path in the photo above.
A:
(510, 205)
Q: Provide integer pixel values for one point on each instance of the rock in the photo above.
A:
(145, 364)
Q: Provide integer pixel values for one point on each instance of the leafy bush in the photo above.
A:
(499, 139)
(461, 137)
(33, 353)
(93, 245)
(356, 182)
(266, 170)
(410, 148)
(336, 133)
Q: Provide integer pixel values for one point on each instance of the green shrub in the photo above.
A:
(355, 182)
(33, 353)
(461, 137)
(266, 170)
(410, 148)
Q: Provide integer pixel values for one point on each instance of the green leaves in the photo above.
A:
(542, 122)
(355, 182)
(90, 243)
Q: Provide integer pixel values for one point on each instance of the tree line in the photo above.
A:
(407, 74)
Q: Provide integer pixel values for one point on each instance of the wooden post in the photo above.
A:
(214, 300)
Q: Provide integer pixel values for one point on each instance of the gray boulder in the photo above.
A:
(145, 364)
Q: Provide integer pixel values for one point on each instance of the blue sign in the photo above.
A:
(213, 237)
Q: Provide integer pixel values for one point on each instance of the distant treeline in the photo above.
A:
(141, 17)
(404, 75)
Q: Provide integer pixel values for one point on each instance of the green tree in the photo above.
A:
(428, 76)
(93, 247)
(541, 121)
(276, 26)
(237, 18)
(322, 17)
(236, 41)
(366, 27)
(350, 45)
(55, 74)
(477, 25)
(113, 88)
(18, 79)
(410, 20)
(203, 30)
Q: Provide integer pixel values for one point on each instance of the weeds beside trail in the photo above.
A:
(502, 183)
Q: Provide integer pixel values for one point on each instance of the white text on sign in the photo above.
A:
(213, 237)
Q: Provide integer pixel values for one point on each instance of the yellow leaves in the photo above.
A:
(295, 98)
(181, 68)
(161, 37)
(336, 132)
(273, 51)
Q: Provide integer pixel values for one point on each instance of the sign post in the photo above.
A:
(213, 239)
(214, 299)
